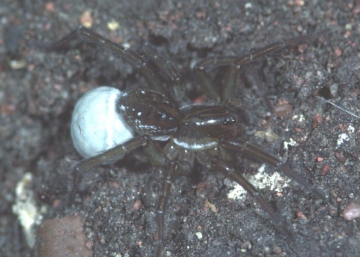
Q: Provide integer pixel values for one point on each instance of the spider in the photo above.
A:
(209, 134)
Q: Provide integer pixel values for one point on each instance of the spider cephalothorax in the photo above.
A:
(208, 134)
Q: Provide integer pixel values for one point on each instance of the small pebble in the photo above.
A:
(352, 211)
(62, 237)
(199, 235)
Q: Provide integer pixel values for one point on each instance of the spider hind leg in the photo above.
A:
(216, 164)
(256, 152)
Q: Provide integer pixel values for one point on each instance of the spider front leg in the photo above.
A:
(235, 63)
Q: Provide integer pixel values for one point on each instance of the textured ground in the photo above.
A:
(38, 91)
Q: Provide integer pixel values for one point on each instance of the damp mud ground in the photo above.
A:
(117, 203)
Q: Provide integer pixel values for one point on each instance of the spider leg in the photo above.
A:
(135, 59)
(155, 156)
(236, 62)
(231, 76)
(88, 164)
(256, 152)
(168, 66)
(170, 168)
(206, 83)
(216, 164)
(259, 89)
(160, 211)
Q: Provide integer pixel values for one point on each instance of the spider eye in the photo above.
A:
(230, 120)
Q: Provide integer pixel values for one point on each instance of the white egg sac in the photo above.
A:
(95, 125)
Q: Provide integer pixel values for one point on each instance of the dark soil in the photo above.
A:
(38, 90)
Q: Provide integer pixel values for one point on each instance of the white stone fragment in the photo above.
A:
(341, 138)
(199, 235)
(26, 210)
(291, 142)
(275, 182)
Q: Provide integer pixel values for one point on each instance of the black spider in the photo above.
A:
(209, 134)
